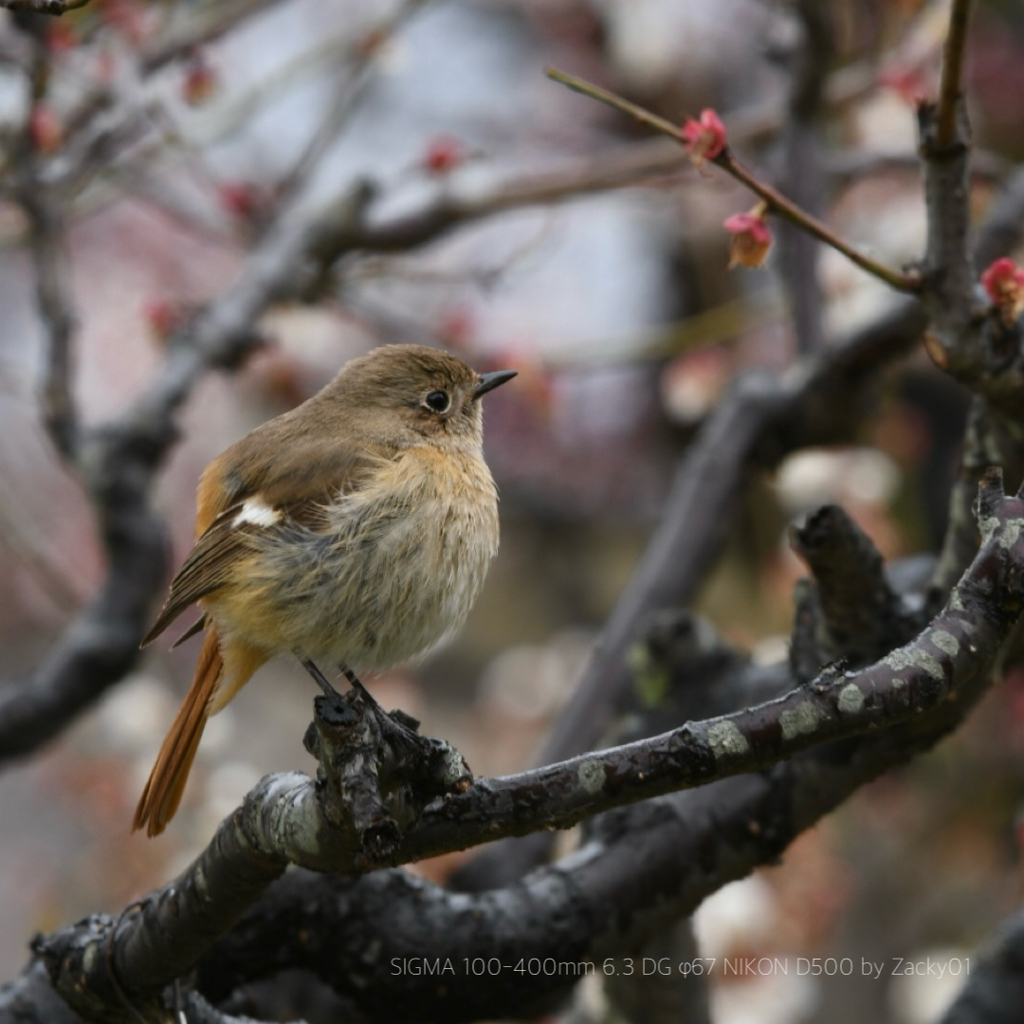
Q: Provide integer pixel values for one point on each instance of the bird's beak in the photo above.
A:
(489, 381)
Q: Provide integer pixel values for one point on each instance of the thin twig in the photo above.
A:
(364, 64)
(200, 27)
(952, 72)
(798, 171)
(54, 301)
(53, 291)
(900, 280)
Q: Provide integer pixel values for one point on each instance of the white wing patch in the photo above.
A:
(258, 512)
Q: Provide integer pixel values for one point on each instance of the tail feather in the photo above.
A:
(166, 783)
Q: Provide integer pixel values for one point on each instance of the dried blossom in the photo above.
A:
(751, 237)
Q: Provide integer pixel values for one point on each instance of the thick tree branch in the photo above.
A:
(594, 904)
(989, 440)
(967, 337)
(850, 612)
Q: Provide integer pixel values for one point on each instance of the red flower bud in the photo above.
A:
(161, 316)
(444, 154)
(126, 18)
(61, 36)
(704, 139)
(243, 199)
(200, 83)
(912, 85)
(1004, 283)
(45, 129)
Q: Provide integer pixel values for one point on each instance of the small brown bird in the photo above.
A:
(355, 529)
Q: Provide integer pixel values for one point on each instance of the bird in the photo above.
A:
(355, 529)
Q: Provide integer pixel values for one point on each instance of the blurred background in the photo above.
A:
(618, 310)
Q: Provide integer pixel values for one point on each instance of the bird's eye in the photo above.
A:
(438, 401)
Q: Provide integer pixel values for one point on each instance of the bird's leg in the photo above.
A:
(405, 724)
(355, 683)
(318, 676)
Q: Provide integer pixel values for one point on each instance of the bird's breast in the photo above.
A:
(388, 570)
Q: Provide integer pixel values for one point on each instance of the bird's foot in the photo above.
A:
(396, 724)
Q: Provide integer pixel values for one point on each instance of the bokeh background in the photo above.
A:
(619, 312)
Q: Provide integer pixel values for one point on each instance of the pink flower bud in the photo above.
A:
(45, 129)
(1003, 280)
(444, 154)
(200, 83)
(161, 316)
(704, 139)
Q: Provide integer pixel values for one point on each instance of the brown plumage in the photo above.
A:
(166, 782)
(356, 528)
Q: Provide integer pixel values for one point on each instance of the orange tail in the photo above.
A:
(166, 783)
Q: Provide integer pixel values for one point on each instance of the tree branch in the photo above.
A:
(46, 230)
(777, 202)
(594, 904)
(801, 173)
(851, 612)
(968, 337)
(952, 72)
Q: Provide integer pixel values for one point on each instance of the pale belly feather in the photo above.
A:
(395, 567)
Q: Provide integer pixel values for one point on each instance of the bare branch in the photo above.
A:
(592, 905)
(55, 306)
(777, 203)
(968, 337)
(53, 291)
(952, 71)
(801, 174)
(361, 72)
(198, 28)
(850, 612)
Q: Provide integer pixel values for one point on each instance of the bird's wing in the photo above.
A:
(239, 507)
